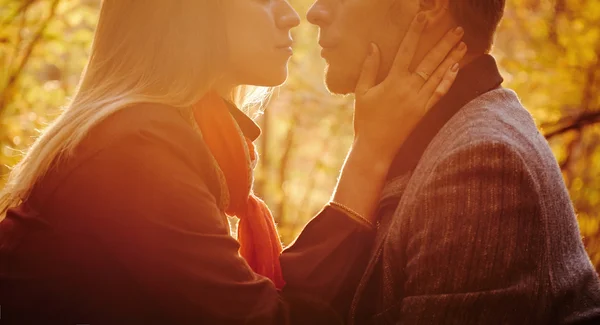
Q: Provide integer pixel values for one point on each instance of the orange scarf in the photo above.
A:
(259, 242)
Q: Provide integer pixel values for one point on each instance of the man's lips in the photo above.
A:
(325, 48)
(325, 45)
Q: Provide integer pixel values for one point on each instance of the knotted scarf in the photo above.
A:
(234, 153)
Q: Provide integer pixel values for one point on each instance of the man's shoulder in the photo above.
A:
(494, 127)
(496, 117)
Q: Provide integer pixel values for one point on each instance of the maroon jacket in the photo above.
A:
(127, 231)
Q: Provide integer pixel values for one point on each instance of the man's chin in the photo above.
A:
(338, 83)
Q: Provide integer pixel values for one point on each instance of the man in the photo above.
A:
(476, 225)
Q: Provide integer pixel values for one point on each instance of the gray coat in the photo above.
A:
(484, 231)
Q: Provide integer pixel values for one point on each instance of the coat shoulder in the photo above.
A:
(146, 133)
(495, 118)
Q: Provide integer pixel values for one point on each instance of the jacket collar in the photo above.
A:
(475, 79)
(249, 128)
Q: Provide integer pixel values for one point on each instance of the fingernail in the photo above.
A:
(371, 49)
(454, 67)
(459, 30)
(421, 17)
(462, 46)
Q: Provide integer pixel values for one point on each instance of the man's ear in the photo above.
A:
(436, 11)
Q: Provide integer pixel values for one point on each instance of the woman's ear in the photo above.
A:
(436, 12)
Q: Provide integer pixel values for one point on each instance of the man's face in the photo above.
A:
(347, 27)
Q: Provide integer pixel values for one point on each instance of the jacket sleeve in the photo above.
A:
(475, 252)
(326, 262)
(147, 201)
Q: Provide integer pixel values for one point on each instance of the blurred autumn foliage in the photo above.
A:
(549, 51)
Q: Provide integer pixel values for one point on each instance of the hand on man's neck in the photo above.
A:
(429, 40)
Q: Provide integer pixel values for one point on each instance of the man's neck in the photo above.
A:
(468, 58)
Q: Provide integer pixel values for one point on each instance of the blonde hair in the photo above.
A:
(152, 51)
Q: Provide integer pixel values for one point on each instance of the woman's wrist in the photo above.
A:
(362, 178)
(376, 158)
(358, 218)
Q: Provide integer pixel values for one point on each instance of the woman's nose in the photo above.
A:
(318, 14)
(288, 17)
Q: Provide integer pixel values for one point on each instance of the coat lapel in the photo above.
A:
(391, 196)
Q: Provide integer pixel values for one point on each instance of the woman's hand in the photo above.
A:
(386, 113)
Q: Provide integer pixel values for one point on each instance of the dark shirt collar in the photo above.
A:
(249, 128)
(473, 80)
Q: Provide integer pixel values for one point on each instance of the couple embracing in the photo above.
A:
(450, 207)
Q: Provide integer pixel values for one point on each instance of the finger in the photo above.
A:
(368, 74)
(440, 72)
(408, 47)
(436, 56)
(443, 87)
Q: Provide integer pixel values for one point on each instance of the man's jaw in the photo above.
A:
(339, 83)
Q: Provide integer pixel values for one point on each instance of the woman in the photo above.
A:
(117, 214)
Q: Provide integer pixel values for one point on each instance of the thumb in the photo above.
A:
(368, 74)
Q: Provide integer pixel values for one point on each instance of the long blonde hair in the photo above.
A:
(152, 51)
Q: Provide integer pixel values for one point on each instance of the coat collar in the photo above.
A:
(249, 128)
(475, 79)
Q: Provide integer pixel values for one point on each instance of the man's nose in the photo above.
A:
(288, 17)
(318, 14)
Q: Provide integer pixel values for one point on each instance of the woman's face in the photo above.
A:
(259, 39)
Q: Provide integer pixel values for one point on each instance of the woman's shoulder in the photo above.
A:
(144, 127)
(147, 137)
(151, 122)
(143, 162)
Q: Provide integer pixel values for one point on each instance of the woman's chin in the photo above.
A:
(277, 78)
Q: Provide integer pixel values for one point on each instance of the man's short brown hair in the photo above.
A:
(480, 19)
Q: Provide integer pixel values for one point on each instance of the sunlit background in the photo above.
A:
(549, 52)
